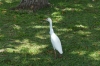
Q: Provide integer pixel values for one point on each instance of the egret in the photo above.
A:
(56, 43)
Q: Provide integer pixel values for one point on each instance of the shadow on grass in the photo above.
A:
(24, 38)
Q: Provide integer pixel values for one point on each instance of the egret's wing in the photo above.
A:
(56, 43)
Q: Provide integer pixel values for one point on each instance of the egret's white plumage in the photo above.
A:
(54, 38)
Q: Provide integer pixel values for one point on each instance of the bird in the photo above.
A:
(56, 43)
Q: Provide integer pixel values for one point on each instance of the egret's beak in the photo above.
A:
(45, 19)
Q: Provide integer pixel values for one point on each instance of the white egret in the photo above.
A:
(56, 43)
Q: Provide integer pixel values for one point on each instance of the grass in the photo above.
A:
(25, 40)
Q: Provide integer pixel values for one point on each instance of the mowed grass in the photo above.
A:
(25, 39)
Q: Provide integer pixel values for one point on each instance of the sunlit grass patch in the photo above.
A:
(57, 15)
(95, 55)
(2, 50)
(79, 52)
(27, 47)
(98, 28)
(17, 27)
(83, 33)
(8, 1)
(72, 9)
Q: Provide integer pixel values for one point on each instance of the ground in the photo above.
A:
(25, 39)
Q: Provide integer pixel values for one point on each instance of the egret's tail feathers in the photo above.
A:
(60, 51)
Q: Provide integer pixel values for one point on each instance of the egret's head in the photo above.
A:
(49, 20)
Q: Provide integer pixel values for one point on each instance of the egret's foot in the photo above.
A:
(60, 55)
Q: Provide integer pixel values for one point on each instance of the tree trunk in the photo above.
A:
(32, 4)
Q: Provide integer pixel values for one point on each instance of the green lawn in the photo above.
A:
(25, 39)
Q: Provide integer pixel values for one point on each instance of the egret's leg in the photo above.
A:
(55, 53)
(60, 55)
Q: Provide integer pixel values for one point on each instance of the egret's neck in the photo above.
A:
(51, 29)
(51, 25)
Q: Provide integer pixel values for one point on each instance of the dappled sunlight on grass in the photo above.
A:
(81, 26)
(92, 55)
(65, 29)
(17, 27)
(10, 50)
(90, 5)
(1, 35)
(72, 9)
(84, 33)
(25, 38)
(39, 36)
(96, 44)
(40, 26)
(26, 47)
(33, 48)
(98, 28)
(8, 1)
(4, 11)
(79, 52)
(57, 15)
(1, 3)
(95, 55)
(2, 50)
